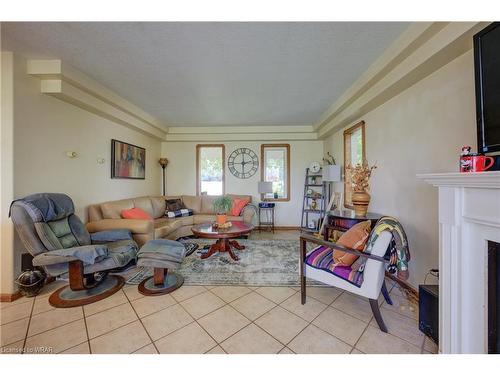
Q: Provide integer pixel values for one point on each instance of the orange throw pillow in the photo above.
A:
(136, 213)
(238, 205)
(355, 238)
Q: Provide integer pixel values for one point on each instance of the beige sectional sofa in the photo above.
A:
(107, 215)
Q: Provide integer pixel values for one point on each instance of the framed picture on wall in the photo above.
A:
(127, 161)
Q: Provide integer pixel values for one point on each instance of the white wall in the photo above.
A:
(181, 173)
(46, 127)
(421, 130)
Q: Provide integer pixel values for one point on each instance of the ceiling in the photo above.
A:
(206, 74)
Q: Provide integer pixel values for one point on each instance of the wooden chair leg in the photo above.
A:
(302, 276)
(377, 315)
(385, 293)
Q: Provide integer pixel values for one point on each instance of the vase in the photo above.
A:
(221, 219)
(360, 201)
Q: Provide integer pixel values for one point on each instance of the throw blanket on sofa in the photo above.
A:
(399, 251)
(179, 213)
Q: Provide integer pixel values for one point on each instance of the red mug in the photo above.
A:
(479, 163)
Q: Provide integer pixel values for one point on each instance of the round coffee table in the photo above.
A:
(223, 236)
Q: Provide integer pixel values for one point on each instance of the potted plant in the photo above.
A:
(360, 177)
(222, 205)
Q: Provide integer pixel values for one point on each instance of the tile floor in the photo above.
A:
(214, 320)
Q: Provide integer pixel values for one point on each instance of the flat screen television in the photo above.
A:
(487, 71)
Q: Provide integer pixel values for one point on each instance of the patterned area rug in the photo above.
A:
(262, 263)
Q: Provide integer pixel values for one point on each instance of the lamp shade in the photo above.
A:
(331, 173)
(265, 187)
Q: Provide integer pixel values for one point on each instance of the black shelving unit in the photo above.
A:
(307, 212)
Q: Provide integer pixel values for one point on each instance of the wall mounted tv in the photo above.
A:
(487, 70)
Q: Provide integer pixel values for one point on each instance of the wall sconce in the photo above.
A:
(71, 154)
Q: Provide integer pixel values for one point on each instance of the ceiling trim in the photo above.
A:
(421, 50)
(67, 84)
(243, 135)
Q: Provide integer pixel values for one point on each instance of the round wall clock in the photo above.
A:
(243, 162)
(315, 167)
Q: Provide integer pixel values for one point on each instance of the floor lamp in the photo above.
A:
(163, 162)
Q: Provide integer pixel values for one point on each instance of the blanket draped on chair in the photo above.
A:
(399, 251)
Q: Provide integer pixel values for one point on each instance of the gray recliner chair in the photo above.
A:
(59, 242)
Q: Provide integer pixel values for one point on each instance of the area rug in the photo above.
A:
(262, 263)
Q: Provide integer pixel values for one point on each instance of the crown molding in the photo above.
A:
(243, 135)
(223, 129)
(421, 50)
(66, 83)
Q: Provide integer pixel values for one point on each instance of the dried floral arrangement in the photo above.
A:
(360, 176)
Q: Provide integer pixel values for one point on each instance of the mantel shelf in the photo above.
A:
(490, 180)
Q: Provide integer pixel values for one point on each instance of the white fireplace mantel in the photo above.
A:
(469, 216)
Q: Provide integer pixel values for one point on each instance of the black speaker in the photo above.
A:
(428, 311)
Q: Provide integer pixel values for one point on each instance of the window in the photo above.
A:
(276, 169)
(210, 169)
(354, 154)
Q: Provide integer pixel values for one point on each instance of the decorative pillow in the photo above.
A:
(179, 213)
(174, 204)
(355, 238)
(136, 213)
(238, 205)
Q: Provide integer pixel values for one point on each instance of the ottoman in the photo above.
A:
(162, 255)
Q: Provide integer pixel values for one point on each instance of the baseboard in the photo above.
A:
(413, 293)
(6, 297)
(279, 228)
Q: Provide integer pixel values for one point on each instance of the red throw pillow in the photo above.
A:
(136, 213)
(238, 205)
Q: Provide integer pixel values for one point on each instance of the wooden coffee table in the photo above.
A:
(223, 236)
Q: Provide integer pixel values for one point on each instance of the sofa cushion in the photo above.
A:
(136, 213)
(207, 204)
(144, 203)
(164, 226)
(203, 218)
(159, 206)
(113, 210)
(192, 202)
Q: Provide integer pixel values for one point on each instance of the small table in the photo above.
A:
(223, 236)
(342, 220)
(266, 209)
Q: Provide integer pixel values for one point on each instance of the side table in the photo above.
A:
(266, 215)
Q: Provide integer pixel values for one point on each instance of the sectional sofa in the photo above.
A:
(107, 215)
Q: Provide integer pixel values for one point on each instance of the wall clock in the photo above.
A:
(243, 162)
(315, 167)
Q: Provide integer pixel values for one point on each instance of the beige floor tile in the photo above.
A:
(356, 306)
(230, 293)
(323, 294)
(251, 340)
(148, 349)
(374, 341)
(402, 327)
(15, 302)
(166, 321)
(252, 305)
(286, 350)
(202, 304)
(14, 348)
(430, 346)
(401, 305)
(16, 312)
(110, 319)
(50, 288)
(308, 311)
(42, 304)
(151, 304)
(115, 300)
(58, 339)
(223, 322)
(356, 351)
(312, 340)
(132, 292)
(216, 350)
(83, 348)
(13, 331)
(277, 294)
(187, 291)
(340, 325)
(190, 339)
(126, 339)
(210, 287)
(281, 324)
(54, 318)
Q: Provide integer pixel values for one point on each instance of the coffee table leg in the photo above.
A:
(236, 245)
(213, 249)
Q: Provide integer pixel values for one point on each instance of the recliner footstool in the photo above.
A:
(163, 255)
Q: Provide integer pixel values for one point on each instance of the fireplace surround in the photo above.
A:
(469, 227)
(493, 297)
